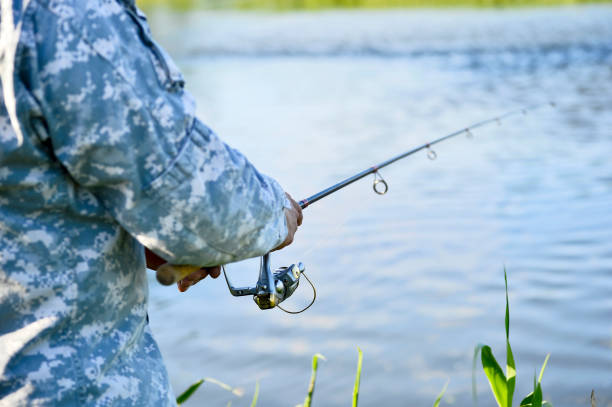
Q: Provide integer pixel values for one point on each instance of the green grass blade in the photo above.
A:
(256, 395)
(477, 350)
(543, 367)
(357, 378)
(507, 320)
(533, 399)
(189, 392)
(236, 391)
(437, 402)
(537, 394)
(229, 404)
(527, 400)
(543, 403)
(313, 378)
(510, 373)
(510, 366)
(495, 374)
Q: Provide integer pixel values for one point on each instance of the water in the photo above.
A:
(414, 278)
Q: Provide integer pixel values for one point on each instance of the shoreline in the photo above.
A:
(324, 5)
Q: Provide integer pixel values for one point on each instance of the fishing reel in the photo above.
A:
(272, 288)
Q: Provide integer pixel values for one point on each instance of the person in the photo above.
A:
(101, 155)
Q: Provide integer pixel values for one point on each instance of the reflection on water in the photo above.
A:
(414, 278)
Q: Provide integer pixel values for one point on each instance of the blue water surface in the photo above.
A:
(414, 278)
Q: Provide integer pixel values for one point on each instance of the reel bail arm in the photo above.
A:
(272, 288)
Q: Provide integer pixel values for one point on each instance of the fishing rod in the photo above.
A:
(272, 288)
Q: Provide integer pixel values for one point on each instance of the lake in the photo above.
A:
(415, 277)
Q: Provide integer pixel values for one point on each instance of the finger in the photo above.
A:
(297, 208)
(298, 211)
(291, 221)
(214, 272)
(300, 215)
(191, 279)
(197, 275)
(183, 285)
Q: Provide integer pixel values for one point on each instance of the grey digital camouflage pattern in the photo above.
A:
(100, 154)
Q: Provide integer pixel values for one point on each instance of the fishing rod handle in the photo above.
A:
(168, 274)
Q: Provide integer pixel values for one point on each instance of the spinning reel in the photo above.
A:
(272, 288)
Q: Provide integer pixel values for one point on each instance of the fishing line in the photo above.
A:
(314, 297)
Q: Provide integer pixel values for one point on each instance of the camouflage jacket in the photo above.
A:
(100, 154)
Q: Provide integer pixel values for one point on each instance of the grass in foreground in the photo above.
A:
(313, 379)
(502, 384)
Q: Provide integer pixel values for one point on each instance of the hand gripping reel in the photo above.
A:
(272, 287)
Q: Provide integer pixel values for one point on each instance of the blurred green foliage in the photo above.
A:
(329, 4)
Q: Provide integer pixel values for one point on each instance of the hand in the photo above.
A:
(196, 276)
(154, 261)
(294, 219)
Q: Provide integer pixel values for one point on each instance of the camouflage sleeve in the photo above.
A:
(118, 119)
